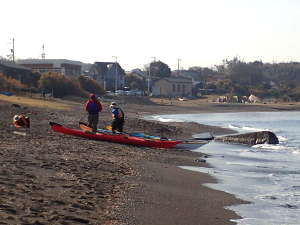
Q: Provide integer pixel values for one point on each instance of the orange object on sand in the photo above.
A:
(21, 121)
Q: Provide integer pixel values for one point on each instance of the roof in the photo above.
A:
(12, 65)
(55, 62)
(177, 79)
(105, 63)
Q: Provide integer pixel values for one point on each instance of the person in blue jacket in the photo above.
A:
(118, 118)
(93, 106)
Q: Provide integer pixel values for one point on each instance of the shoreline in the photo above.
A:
(162, 215)
(75, 180)
(168, 194)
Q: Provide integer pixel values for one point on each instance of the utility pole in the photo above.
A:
(149, 75)
(116, 82)
(104, 82)
(178, 60)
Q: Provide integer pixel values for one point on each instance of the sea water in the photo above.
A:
(268, 176)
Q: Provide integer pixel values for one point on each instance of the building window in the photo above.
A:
(178, 87)
(183, 89)
(174, 88)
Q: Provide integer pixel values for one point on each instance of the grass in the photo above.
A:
(41, 103)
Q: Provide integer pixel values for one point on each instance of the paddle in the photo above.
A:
(109, 127)
(84, 126)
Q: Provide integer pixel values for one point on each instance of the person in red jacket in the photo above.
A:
(93, 106)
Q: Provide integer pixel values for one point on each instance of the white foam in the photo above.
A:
(232, 126)
(254, 129)
(277, 147)
(282, 139)
(297, 152)
(165, 120)
(246, 128)
(269, 146)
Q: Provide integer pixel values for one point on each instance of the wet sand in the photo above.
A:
(48, 178)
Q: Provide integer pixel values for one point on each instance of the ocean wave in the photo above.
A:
(165, 120)
(297, 151)
(282, 139)
(231, 126)
(276, 147)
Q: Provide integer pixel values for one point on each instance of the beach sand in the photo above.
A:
(48, 178)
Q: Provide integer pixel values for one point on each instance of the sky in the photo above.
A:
(198, 32)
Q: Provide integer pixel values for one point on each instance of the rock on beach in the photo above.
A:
(255, 138)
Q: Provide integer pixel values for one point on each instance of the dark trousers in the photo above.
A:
(93, 121)
(117, 125)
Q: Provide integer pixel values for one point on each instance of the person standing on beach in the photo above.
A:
(93, 106)
(118, 118)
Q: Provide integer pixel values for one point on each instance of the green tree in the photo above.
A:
(244, 74)
(31, 80)
(135, 82)
(159, 69)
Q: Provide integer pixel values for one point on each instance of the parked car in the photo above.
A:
(134, 93)
(109, 93)
(119, 92)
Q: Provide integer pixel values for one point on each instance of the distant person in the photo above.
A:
(118, 118)
(93, 106)
(21, 121)
(44, 94)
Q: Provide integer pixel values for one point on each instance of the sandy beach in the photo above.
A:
(48, 178)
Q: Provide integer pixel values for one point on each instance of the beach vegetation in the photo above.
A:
(34, 102)
(10, 84)
(60, 85)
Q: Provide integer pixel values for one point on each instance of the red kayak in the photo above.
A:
(118, 138)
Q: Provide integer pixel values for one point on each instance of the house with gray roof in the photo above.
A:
(109, 74)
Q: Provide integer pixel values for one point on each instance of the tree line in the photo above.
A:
(50, 82)
(268, 80)
(232, 77)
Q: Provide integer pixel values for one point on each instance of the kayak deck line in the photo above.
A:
(85, 127)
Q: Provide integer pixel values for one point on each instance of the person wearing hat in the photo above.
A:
(93, 106)
(118, 118)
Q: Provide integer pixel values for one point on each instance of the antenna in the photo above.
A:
(43, 52)
(13, 50)
(178, 61)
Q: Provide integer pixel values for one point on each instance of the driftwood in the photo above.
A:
(263, 137)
